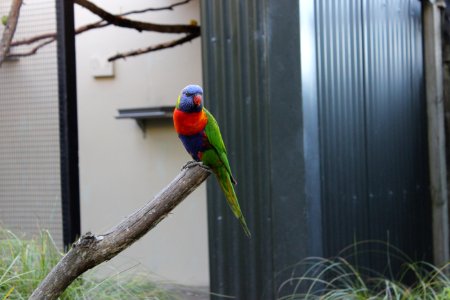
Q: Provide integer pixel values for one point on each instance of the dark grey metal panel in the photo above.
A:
(234, 74)
(372, 118)
(282, 83)
(311, 132)
(294, 235)
(342, 122)
(396, 127)
(252, 80)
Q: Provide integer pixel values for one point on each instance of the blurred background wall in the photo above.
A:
(122, 167)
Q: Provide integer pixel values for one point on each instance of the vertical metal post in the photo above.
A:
(68, 121)
(310, 111)
(436, 132)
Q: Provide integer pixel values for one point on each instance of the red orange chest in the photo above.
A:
(189, 123)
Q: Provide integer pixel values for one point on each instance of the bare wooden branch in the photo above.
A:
(169, 7)
(138, 25)
(91, 250)
(10, 29)
(95, 25)
(193, 30)
(52, 35)
(33, 39)
(162, 46)
(32, 51)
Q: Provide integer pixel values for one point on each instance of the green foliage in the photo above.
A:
(4, 20)
(338, 279)
(24, 263)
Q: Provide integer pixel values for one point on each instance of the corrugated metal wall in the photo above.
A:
(232, 79)
(372, 127)
(321, 105)
(251, 79)
(30, 193)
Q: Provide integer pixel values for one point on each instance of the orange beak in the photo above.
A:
(197, 100)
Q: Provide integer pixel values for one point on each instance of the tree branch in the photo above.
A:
(10, 29)
(91, 250)
(169, 7)
(81, 29)
(138, 25)
(32, 51)
(101, 24)
(95, 25)
(162, 46)
(33, 39)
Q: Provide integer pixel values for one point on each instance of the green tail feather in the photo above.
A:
(225, 183)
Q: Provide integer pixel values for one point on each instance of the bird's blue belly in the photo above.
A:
(195, 144)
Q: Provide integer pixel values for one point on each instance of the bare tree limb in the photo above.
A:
(162, 46)
(51, 37)
(32, 51)
(169, 7)
(36, 38)
(95, 25)
(33, 39)
(10, 29)
(138, 25)
(91, 250)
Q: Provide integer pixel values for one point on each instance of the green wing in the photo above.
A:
(217, 159)
(212, 131)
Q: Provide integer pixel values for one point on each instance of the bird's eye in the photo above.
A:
(188, 94)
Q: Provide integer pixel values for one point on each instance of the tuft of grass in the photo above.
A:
(338, 279)
(24, 263)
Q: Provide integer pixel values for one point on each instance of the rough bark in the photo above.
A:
(10, 29)
(91, 250)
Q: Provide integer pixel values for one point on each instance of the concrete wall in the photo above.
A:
(120, 168)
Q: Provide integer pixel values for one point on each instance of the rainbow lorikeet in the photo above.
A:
(200, 134)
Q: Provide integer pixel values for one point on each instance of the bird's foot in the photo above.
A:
(193, 163)
(190, 164)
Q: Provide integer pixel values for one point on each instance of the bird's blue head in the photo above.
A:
(190, 99)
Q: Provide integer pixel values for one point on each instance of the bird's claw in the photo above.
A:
(193, 163)
(190, 164)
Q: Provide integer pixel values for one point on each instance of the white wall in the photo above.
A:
(120, 169)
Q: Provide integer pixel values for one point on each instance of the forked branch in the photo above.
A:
(95, 25)
(192, 30)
